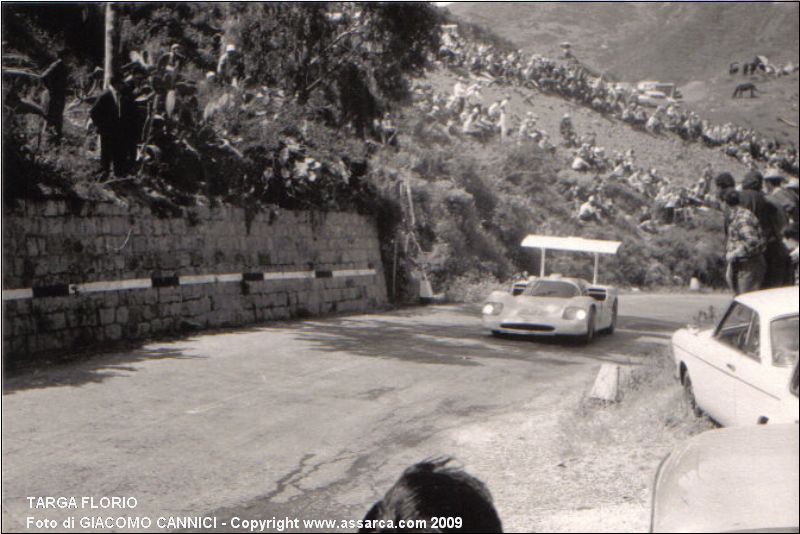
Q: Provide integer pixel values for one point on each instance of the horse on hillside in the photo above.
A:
(742, 88)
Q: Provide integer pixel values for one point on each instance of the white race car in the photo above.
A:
(555, 305)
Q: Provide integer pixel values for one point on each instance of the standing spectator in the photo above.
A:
(724, 183)
(230, 67)
(744, 247)
(793, 186)
(785, 202)
(784, 198)
(772, 223)
(502, 122)
(171, 60)
(705, 180)
(567, 130)
(114, 115)
(791, 236)
(54, 79)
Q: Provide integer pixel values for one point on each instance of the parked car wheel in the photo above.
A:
(688, 395)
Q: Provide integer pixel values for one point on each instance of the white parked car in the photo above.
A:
(741, 371)
(654, 99)
(742, 479)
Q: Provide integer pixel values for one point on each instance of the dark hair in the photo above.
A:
(753, 180)
(724, 180)
(431, 489)
(731, 197)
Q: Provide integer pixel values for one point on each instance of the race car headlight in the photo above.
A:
(492, 308)
(578, 314)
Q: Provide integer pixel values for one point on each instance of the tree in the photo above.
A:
(349, 61)
(108, 46)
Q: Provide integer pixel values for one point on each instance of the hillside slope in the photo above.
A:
(690, 44)
(475, 200)
(677, 41)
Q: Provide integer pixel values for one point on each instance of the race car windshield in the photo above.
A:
(549, 288)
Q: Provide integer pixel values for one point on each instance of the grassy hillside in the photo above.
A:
(677, 41)
(475, 200)
(690, 44)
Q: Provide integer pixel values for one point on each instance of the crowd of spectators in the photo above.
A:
(464, 113)
(761, 227)
(570, 79)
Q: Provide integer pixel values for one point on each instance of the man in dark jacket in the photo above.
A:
(785, 199)
(114, 115)
(772, 222)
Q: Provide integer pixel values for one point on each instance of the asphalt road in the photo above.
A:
(311, 419)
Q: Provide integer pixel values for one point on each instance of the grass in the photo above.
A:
(614, 449)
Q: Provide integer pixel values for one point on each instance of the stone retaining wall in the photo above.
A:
(76, 276)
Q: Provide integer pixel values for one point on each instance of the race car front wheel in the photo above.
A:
(590, 327)
(614, 311)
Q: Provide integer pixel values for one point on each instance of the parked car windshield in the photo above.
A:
(784, 335)
(551, 288)
(739, 330)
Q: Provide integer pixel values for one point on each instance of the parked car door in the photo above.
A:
(762, 393)
(715, 386)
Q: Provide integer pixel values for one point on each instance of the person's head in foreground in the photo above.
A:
(446, 498)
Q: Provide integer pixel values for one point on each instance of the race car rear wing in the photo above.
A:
(572, 244)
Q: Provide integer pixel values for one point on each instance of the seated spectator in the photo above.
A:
(430, 490)
(654, 124)
(589, 210)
